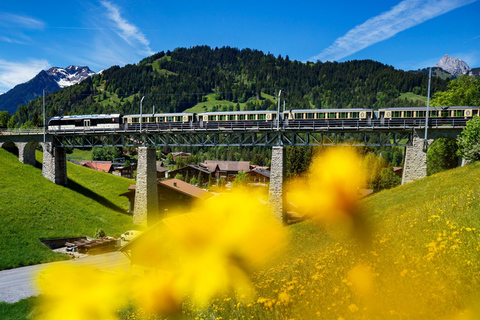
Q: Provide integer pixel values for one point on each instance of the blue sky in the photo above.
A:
(409, 34)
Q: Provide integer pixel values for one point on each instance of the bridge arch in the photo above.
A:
(10, 147)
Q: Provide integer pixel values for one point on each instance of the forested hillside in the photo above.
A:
(232, 79)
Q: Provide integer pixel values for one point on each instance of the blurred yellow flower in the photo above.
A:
(78, 293)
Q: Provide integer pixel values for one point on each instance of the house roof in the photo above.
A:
(160, 167)
(180, 186)
(395, 169)
(105, 166)
(263, 172)
(186, 188)
(230, 165)
(193, 166)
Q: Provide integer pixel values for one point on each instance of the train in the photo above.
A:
(263, 119)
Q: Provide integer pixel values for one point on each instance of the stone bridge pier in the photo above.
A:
(54, 164)
(146, 194)
(276, 195)
(415, 164)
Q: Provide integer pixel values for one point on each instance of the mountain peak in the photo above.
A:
(69, 76)
(454, 66)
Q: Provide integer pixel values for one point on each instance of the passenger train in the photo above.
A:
(263, 118)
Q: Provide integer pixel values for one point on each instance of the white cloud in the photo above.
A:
(13, 73)
(13, 27)
(404, 15)
(127, 31)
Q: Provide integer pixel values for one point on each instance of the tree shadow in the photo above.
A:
(72, 185)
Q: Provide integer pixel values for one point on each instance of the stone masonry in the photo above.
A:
(276, 196)
(54, 164)
(146, 194)
(26, 152)
(415, 165)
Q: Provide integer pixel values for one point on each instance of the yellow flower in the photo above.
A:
(79, 292)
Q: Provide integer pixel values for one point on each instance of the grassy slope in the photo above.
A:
(211, 102)
(421, 259)
(413, 96)
(33, 207)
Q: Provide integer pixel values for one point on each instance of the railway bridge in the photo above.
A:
(54, 147)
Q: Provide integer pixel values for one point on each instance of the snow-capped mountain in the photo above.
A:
(453, 66)
(69, 76)
(51, 80)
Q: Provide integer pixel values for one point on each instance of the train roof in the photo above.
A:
(328, 110)
(425, 108)
(91, 116)
(237, 112)
(178, 114)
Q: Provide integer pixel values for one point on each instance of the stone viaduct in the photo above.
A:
(55, 168)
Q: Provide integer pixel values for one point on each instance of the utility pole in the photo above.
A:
(141, 101)
(278, 112)
(44, 115)
(425, 141)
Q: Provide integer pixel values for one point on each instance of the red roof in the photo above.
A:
(229, 165)
(104, 166)
(182, 187)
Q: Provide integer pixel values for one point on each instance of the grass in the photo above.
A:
(211, 102)
(419, 260)
(412, 96)
(80, 155)
(17, 311)
(414, 255)
(33, 208)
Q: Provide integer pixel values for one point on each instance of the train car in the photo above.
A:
(328, 114)
(433, 113)
(158, 120)
(85, 122)
(241, 116)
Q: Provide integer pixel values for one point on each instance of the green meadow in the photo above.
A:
(33, 207)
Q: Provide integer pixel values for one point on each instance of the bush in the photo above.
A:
(441, 156)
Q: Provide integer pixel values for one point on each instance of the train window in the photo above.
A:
(262, 117)
(298, 115)
(342, 115)
(78, 123)
(467, 113)
(151, 119)
(231, 117)
(396, 114)
(444, 113)
(251, 117)
(433, 114)
(421, 114)
(241, 117)
(407, 114)
(354, 115)
(458, 113)
(169, 119)
(161, 119)
(332, 115)
(222, 117)
(309, 115)
(179, 119)
(212, 118)
(320, 116)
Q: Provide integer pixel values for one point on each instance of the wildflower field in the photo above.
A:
(411, 252)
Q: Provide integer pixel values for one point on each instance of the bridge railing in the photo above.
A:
(34, 131)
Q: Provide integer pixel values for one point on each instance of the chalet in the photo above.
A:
(191, 171)
(162, 172)
(126, 172)
(227, 169)
(258, 175)
(174, 195)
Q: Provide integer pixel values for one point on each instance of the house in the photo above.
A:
(259, 175)
(105, 166)
(162, 172)
(192, 170)
(227, 169)
(174, 195)
(126, 172)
